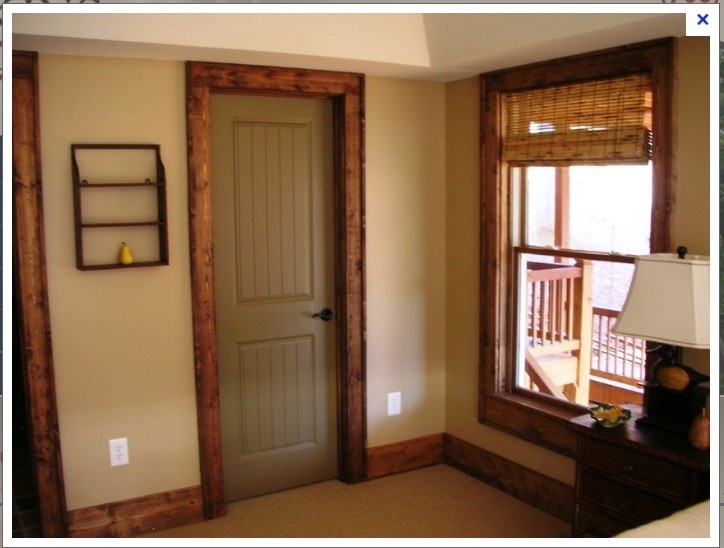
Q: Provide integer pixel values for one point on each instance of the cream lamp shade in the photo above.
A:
(668, 301)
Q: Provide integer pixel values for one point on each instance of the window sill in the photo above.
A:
(541, 422)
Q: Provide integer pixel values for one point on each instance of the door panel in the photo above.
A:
(277, 395)
(274, 210)
(273, 259)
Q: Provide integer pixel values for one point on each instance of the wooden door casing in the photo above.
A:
(30, 271)
(347, 92)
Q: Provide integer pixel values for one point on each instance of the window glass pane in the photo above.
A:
(540, 206)
(565, 346)
(610, 284)
(610, 208)
(600, 208)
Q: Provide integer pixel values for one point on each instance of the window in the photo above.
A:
(564, 145)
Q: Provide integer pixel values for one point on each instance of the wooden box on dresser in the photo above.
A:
(633, 474)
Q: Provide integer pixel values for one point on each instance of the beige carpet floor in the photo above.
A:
(433, 502)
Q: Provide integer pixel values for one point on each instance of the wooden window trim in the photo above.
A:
(535, 418)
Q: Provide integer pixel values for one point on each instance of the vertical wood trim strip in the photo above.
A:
(203, 306)
(350, 220)
(535, 311)
(664, 113)
(29, 265)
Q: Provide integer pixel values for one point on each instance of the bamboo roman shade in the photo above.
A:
(594, 122)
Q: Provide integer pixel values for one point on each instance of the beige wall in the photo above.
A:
(691, 226)
(405, 202)
(693, 207)
(122, 340)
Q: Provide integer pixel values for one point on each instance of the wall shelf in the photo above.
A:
(119, 196)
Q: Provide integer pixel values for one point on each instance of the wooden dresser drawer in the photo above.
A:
(596, 521)
(626, 501)
(632, 467)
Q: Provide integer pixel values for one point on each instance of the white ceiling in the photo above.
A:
(426, 46)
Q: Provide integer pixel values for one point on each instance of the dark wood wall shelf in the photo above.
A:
(119, 196)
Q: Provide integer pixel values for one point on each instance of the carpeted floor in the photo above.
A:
(434, 502)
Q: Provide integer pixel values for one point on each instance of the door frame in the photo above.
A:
(30, 280)
(346, 90)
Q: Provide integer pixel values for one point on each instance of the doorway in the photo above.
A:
(273, 274)
(346, 92)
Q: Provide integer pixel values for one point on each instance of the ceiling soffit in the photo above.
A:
(439, 46)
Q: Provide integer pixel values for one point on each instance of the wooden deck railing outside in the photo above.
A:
(616, 357)
(570, 344)
(559, 329)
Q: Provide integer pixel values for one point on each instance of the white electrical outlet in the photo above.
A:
(119, 451)
(394, 403)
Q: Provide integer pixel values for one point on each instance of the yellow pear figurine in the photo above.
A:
(124, 256)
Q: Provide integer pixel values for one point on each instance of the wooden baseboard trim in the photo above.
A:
(184, 506)
(539, 490)
(404, 456)
(138, 516)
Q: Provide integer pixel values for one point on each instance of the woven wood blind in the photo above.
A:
(595, 122)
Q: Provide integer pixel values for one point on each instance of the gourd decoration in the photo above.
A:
(673, 377)
(678, 377)
(699, 431)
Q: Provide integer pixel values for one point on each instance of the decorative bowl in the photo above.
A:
(610, 415)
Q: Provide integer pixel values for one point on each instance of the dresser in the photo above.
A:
(632, 474)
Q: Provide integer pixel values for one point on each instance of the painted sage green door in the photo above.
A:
(272, 193)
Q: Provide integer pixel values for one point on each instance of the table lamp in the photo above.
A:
(668, 303)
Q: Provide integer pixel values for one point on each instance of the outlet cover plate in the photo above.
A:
(118, 451)
(394, 403)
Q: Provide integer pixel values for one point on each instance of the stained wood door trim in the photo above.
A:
(347, 92)
(30, 272)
